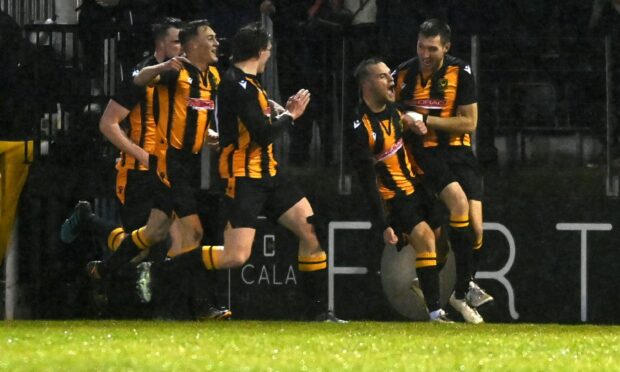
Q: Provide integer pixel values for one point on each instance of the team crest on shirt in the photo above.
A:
(200, 104)
(443, 83)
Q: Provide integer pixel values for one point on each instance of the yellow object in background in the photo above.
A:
(13, 175)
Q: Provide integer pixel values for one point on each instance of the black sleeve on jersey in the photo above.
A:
(250, 112)
(466, 94)
(129, 95)
(225, 112)
(364, 163)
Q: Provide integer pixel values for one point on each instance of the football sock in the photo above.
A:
(211, 256)
(461, 242)
(313, 281)
(475, 257)
(115, 238)
(128, 249)
(426, 268)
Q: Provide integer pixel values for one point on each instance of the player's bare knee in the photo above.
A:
(424, 242)
(157, 233)
(461, 206)
(238, 257)
(422, 238)
(307, 235)
(197, 234)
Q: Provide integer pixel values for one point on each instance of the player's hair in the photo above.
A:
(434, 27)
(361, 71)
(190, 30)
(159, 30)
(248, 42)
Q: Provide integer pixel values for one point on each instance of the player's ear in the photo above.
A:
(446, 47)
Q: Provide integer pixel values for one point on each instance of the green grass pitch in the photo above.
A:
(299, 346)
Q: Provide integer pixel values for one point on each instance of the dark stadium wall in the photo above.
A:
(550, 254)
(554, 220)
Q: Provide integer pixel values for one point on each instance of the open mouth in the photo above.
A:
(392, 88)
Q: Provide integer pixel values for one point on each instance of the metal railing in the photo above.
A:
(522, 94)
(28, 11)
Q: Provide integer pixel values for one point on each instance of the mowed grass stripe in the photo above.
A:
(293, 346)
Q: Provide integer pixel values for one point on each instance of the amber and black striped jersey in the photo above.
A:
(141, 120)
(245, 127)
(449, 87)
(186, 107)
(379, 156)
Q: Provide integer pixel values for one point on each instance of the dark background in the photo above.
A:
(538, 43)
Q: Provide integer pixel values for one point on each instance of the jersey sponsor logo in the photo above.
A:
(391, 151)
(428, 103)
(243, 84)
(200, 104)
(356, 124)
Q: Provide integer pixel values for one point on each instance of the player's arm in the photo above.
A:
(109, 125)
(276, 108)
(465, 121)
(257, 122)
(151, 74)
(364, 164)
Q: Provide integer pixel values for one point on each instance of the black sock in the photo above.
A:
(203, 284)
(429, 282)
(314, 286)
(190, 261)
(127, 250)
(475, 261)
(461, 242)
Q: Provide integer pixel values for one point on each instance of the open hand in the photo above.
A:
(296, 104)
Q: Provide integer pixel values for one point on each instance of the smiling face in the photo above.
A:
(204, 46)
(431, 52)
(379, 85)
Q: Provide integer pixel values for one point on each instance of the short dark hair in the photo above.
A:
(248, 42)
(434, 27)
(160, 29)
(361, 71)
(190, 30)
